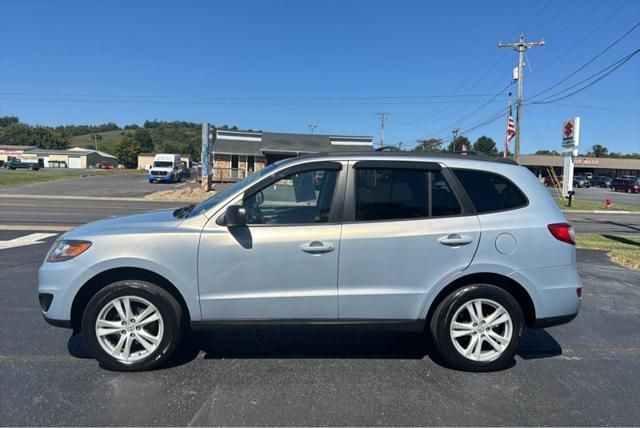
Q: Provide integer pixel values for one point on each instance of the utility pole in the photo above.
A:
(383, 116)
(400, 145)
(521, 47)
(312, 127)
(455, 136)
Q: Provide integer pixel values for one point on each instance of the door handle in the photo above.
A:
(317, 247)
(455, 240)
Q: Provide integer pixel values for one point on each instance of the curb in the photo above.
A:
(599, 212)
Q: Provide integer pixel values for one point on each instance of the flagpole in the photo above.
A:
(506, 137)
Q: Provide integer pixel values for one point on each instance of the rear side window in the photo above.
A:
(398, 193)
(490, 192)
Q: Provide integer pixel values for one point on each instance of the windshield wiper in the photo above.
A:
(184, 211)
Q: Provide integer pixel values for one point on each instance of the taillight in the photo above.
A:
(563, 232)
(579, 292)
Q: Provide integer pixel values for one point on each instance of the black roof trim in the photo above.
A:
(384, 154)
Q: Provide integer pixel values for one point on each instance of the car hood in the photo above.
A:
(153, 220)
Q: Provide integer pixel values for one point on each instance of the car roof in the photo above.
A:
(434, 157)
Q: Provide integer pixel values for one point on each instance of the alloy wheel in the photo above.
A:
(129, 328)
(481, 330)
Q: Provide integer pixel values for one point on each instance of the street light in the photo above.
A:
(312, 126)
(455, 135)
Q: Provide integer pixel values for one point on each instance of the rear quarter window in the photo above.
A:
(490, 192)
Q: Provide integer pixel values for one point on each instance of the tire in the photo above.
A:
(166, 330)
(489, 358)
(151, 181)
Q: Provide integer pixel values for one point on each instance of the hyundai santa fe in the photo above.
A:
(467, 248)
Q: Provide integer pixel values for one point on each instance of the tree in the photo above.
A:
(47, 138)
(143, 137)
(127, 150)
(485, 145)
(430, 145)
(599, 151)
(8, 120)
(460, 143)
(547, 152)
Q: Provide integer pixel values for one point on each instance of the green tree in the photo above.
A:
(127, 150)
(429, 145)
(47, 138)
(144, 138)
(8, 120)
(485, 145)
(547, 152)
(598, 151)
(460, 143)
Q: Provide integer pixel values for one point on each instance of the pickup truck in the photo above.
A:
(18, 164)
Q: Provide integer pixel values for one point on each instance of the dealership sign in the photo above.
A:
(570, 141)
(585, 161)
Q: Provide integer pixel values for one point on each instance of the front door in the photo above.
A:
(408, 230)
(284, 263)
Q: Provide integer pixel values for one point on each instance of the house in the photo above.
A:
(76, 157)
(235, 154)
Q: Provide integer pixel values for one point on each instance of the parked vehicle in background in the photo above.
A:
(184, 171)
(601, 181)
(628, 185)
(14, 164)
(588, 175)
(581, 181)
(548, 181)
(166, 168)
(388, 238)
(105, 165)
(630, 177)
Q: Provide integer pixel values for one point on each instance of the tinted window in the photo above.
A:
(388, 193)
(299, 198)
(489, 191)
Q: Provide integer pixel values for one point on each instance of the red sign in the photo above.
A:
(568, 129)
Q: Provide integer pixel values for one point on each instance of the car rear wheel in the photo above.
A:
(132, 326)
(478, 328)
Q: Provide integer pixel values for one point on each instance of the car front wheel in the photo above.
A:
(478, 328)
(132, 326)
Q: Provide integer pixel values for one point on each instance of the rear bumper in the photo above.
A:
(553, 321)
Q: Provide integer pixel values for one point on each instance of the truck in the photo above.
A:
(166, 168)
(14, 164)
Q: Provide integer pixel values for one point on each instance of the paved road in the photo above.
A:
(599, 194)
(583, 373)
(120, 185)
(71, 212)
(74, 212)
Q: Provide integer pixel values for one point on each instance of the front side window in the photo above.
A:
(398, 193)
(489, 191)
(300, 198)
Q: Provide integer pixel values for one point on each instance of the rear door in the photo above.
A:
(406, 227)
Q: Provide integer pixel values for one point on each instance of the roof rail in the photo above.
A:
(471, 154)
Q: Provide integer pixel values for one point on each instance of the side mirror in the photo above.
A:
(235, 216)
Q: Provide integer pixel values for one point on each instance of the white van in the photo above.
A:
(165, 168)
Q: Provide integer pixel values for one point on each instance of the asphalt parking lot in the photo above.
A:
(600, 194)
(110, 185)
(583, 373)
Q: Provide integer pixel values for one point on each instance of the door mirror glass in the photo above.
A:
(235, 216)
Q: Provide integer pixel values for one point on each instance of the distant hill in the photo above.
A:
(167, 138)
(106, 144)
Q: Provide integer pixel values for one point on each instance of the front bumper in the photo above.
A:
(60, 282)
(161, 178)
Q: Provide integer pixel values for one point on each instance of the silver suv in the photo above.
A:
(470, 249)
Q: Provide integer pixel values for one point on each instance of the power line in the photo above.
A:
(607, 71)
(593, 30)
(583, 66)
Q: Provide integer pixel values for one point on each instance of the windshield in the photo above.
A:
(162, 164)
(218, 197)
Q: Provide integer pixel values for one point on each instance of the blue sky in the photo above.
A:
(280, 65)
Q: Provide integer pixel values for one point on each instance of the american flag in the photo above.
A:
(511, 132)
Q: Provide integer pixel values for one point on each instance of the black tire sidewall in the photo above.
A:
(443, 317)
(166, 304)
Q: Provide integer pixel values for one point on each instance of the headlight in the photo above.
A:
(67, 249)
